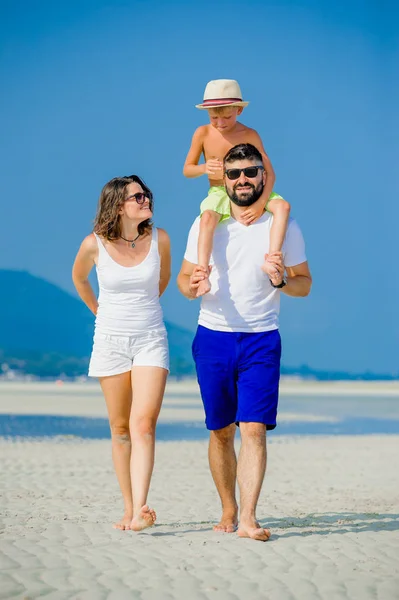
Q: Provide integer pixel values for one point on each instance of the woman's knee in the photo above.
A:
(143, 427)
(120, 431)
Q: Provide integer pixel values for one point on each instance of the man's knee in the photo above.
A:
(255, 432)
(224, 436)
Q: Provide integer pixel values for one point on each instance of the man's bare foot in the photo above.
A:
(204, 287)
(146, 517)
(124, 523)
(227, 524)
(254, 531)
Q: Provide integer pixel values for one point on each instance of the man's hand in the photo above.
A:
(198, 275)
(213, 167)
(274, 267)
(252, 214)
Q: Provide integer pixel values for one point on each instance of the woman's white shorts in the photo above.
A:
(115, 354)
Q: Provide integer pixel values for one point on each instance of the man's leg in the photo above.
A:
(223, 464)
(250, 473)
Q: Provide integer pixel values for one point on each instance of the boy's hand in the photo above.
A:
(252, 214)
(212, 166)
(198, 275)
(274, 267)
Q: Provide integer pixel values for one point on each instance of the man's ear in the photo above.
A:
(239, 110)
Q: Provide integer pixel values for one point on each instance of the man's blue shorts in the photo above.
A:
(238, 375)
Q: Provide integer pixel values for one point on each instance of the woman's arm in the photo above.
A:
(82, 266)
(164, 253)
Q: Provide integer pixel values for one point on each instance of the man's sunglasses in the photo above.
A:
(249, 172)
(140, 197)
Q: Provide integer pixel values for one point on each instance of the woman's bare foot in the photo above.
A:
(124, 523)
(204, 287)
(146, 517)
(227, 524)
(254, 531)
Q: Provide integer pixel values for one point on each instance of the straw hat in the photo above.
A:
(222, 92)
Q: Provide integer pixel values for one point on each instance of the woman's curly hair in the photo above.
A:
(112, 197)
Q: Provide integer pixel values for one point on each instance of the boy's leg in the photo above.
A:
(208, 223)
(280, 209)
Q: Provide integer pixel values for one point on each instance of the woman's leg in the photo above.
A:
(148, 385)
(117, 390)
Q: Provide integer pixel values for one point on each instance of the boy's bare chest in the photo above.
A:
(216, 146)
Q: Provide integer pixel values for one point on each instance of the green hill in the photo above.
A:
(45, 331)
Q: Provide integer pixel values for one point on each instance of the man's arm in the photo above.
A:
(189, 279)
(299, 281)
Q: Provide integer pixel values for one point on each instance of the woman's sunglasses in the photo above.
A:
(249, 172)
(140, 197)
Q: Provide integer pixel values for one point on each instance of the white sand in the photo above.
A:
(332, 503)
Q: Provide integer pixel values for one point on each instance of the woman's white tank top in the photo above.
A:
(128, 301)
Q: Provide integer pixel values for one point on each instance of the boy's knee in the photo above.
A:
(210, 218)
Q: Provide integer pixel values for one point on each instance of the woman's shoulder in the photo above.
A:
(89, 244)
(163, 237)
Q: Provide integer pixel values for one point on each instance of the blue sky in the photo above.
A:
(92, 90)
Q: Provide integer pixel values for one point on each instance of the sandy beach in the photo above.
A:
(331, 501)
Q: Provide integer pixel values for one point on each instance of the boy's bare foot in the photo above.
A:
(146, 517)
(204, 287)
(124, 523)
(227, 524)
(254, 531)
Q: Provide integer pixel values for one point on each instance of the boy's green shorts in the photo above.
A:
(218, 201)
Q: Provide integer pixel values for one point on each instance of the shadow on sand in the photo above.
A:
(329, 523)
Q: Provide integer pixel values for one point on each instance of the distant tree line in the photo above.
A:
(54, 365)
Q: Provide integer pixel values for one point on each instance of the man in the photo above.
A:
(237, 346)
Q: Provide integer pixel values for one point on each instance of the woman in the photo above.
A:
(130, 350)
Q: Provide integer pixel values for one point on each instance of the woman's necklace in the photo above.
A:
(131, 241)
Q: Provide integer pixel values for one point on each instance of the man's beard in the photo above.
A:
(250, 199)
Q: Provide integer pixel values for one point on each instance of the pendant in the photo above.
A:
(133, 245)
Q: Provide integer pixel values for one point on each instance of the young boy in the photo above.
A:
(223, 101)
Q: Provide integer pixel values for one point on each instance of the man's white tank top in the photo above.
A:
(128, 301)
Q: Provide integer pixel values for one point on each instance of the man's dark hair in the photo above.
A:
(242, 152)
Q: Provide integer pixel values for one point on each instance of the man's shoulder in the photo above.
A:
(292, 224)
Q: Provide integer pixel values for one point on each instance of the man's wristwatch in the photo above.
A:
(280, 285)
